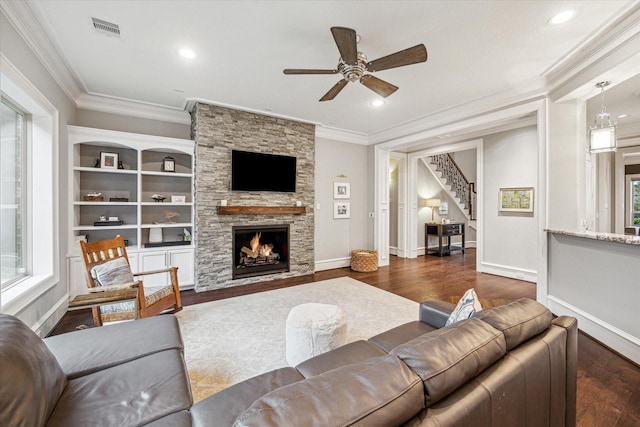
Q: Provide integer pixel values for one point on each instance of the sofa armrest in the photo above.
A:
(571, 325)
(435, 313)
(89, 350)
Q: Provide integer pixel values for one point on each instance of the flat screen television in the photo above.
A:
(262, 172)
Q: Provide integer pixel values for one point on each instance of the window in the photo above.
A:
(12, 194)
(29, 247)
(634, 191)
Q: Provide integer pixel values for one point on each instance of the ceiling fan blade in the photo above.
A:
(303, 71)
(380, 87)
(334, 90)
(346, 41)
(412, 55)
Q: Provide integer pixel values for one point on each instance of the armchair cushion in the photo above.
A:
(114, 272)
(151, 296)
(31, 380)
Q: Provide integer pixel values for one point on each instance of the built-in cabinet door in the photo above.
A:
(77, 279)
(154, 261)
(183, 259)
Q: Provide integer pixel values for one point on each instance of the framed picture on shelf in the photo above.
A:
(517, 199)
(341, 210)
(178, 199)
(168, 164)
(341, 190)
(108, 160)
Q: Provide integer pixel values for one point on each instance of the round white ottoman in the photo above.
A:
(313, 329)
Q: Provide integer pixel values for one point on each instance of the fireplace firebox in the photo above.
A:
(260, 250)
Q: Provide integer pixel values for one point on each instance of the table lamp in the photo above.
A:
(433, 204)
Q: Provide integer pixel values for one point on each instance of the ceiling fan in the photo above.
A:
(353, 65)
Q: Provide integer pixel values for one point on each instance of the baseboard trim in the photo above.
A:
(619, 340)
(330, 264)
(50, 319)
(511, 272)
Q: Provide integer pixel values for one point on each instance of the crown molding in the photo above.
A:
(131, 108)
(191, 102)
(521, 94)
(627, 131)
(341, 135)
(22, 17)
(603, 52)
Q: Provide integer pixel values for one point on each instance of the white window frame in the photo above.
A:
(26, 123)
(629, 207)
(43, 259)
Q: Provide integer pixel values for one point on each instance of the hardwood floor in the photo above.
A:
(608, 385)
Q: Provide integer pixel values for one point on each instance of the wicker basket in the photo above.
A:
(364, 260)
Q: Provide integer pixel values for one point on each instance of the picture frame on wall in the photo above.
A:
(341, 210)
(341, 190)
(515, 199)
(108, 160)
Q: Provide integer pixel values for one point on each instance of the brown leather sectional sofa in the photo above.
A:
(509, 365)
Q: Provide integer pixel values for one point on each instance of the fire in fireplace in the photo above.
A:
(260, 250)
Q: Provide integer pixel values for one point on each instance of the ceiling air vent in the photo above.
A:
(106, 27)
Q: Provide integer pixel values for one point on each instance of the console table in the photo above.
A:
(444, 231)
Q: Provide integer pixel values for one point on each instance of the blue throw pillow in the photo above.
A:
(468, 305)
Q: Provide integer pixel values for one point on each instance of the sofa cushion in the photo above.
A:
(394, 337)
(353, 352)
(519, 320)
(84, 352)
(131, 394)
(379, 391)
(31, 380)
(222, 408)
(449, 357)
(468, 305)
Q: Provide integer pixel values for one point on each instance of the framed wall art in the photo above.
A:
(341, 190)
(341, 210)
(518, 199)
(108, 160)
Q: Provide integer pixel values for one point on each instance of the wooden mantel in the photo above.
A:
(262, 210)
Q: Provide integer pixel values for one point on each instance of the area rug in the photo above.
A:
(230, 340)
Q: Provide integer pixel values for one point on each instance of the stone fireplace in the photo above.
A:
(260, 250)
(217, 131)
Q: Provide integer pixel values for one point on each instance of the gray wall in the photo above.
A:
(100, 120)
(510, 239)
(45, 311)
(336, 238)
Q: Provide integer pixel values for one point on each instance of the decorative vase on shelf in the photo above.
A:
(155, 235)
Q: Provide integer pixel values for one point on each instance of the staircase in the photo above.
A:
(454, 181)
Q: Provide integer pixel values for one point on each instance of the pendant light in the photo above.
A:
(602, 134)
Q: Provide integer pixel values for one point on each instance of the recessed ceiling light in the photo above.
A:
(562, 17)
(187, 53)
(377, 103)
(622, 116)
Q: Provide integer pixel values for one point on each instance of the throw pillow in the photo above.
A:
(468, 305)
(114, 272)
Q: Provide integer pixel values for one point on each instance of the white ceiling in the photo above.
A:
(477, 49)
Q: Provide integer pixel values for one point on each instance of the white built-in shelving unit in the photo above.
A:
(126, 194)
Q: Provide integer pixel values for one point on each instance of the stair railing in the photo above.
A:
(463, 189)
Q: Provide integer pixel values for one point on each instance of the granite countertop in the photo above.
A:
(608, 237)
